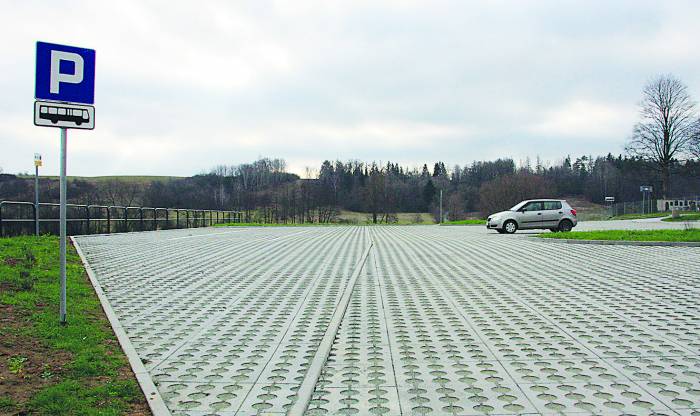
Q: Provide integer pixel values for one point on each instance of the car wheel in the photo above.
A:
(500, 231)
(565, 226)
(510, 226)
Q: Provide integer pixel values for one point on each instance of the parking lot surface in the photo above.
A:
(421, 320)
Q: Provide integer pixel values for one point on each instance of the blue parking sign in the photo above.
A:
(65, 73)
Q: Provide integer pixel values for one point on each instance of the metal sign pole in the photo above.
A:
(36, 198)
(62, 209)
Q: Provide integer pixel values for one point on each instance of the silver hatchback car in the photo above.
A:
(552, 214)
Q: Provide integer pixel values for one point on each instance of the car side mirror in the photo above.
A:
(522, 210)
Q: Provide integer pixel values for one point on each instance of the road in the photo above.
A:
(406, 320)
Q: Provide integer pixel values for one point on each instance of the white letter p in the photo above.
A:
(57, 77)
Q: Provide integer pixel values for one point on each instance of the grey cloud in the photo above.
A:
(222, 82)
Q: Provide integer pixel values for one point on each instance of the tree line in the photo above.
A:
(663, 151)
(266, 192)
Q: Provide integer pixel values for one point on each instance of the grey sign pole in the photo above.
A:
(62, 209)
(64, 100)
(36, 198)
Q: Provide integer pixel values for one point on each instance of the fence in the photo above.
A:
(17, 218)
(633, 207)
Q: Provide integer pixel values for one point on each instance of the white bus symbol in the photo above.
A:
(56, 114)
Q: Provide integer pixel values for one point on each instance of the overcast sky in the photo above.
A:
(183, 86)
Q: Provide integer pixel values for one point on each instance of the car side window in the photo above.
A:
(552, 205)
(532, 206)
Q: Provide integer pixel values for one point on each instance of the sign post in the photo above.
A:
(610, 200)
(37, 163)
(65, 92)
(646, 191)
(62, 214)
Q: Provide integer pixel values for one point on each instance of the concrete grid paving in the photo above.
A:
(441, 321)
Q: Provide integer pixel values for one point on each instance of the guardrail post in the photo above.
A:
(167, 219)
(87, 219)
(155, 219)
(141, 217)
(98, 220)
(187, 222)
(109, 220)
(177, 218)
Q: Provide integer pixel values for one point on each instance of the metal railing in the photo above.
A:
(18, 218)
(632, 207)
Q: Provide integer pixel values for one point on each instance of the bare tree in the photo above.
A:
(121, 192)
(695, 142)
(221, 172)
(505, 191)
(667, 127)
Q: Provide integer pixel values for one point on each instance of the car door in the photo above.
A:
(530, 215)
(551, 214)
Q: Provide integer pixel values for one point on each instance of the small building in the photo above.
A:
(680, 204)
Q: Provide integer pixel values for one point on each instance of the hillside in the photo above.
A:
(144, 179)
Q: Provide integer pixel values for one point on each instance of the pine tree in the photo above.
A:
(428, 192)
(426, 172)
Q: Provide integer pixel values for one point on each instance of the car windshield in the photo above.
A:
(518, 206)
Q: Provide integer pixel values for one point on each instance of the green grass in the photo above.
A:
(92, 376)
(640, 216)
(402, 218)
(683, 218)
(262, 224)
(6, 404)
(691, 235)
(349, 218)
(465, 222)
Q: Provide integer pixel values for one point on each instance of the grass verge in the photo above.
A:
(640, 216)
(691, 235)
(683, 218)
(46, 368)
(465, 222)
(262, 224)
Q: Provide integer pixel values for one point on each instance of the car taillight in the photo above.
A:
(573, 212)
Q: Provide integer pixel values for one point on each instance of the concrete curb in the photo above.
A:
(153, 397)
(622, 242)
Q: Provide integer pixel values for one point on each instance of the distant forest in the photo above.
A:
(266, 192)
